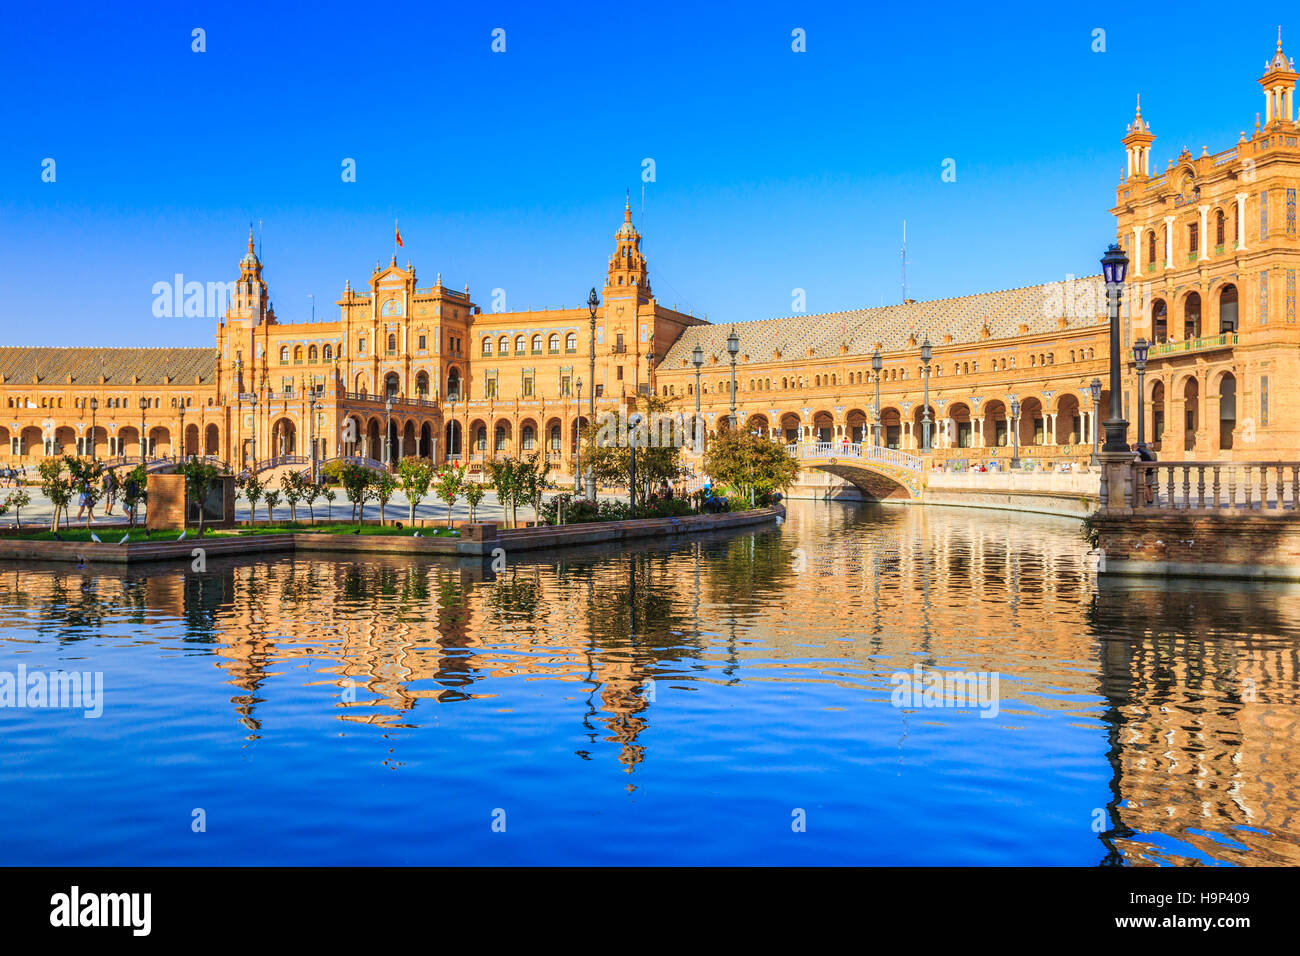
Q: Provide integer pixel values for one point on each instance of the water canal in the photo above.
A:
(727, 699)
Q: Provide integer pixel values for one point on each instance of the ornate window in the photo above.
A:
(284, 355)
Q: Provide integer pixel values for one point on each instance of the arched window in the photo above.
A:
(1151, 246)
(297, 355)
(284, 355)
(327, 353)
(520, 347)
(1218, 230)
(530, 437)
(312, 355)
(537, 344)
(392, 342)
(571, 342)
(553, 344)
(503, 345)
(487, 345)
(1228, 308)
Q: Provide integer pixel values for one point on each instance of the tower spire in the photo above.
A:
(1137, 143)
(1279, 81)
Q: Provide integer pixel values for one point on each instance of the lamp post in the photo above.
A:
(253, 432)
(1095, 388)
(313, 405)
(94, 407)
(593, 303)
(388, 438)
(577, 468)
(180, 402)
(1140, 349)
(144, 403)
(877, 363)
(633, 423)
(926, 353)
(697, 359)
(1114, 264)
(1015, 433)
(733, 348)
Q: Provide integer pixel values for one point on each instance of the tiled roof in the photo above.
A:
(85, 365)
(1039, 307)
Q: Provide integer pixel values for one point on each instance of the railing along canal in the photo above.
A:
(1215, 486)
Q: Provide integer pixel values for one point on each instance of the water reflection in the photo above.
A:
(1181, 699)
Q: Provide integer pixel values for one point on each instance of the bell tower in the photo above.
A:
(250, 304)
(1279, 88)
(627, 266)
(1137, 143)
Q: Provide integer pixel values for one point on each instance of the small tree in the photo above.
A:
(749, 463)
(474, 492)
(451, 482)
(55, 486)
(505, 478)
(294, 485)
(272, 499)
(385, 485)
(311, 491)
(415, 475)
(18, 500)
(199, 480)
(329, 494)
(84, 477)
(357, 486)
(532, 480)
(253, 493)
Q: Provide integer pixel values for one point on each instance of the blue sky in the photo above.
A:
(775, 170)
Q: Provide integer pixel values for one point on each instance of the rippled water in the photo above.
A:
(729, 699)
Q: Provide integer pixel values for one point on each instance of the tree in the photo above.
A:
(416, 475)
(474, 492)
(356, 481)
(451, 482)
(272, 499)
(253, 493)
(199, 479)
(385, 484)
(294, 486)
(18, 500)
(532, 481)
(505, 479)
(84, 477)
(750, 463)
(329, 494)
(55, 487)
(658, 440)
(311, 491)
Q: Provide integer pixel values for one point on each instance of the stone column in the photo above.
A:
(1169, 242)
(1137, 251)
(1241, 223)
(1204, 237)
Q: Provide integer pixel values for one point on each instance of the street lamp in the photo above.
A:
(633, 423)
(1015, 433)
(1114, 264)
(577, 468)
(388, 438)
(593, 303)
(313, 405)
(180, 402)
(253, 432)
(697, 359)
(1095, 388)
(94, 406)
(144, 403)
(926, 353)
(1140, 349)
(733, 347)
(877, 363)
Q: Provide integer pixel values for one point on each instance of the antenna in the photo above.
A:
(259, 239)
(903, 257)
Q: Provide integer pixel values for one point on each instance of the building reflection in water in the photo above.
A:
(1192, 688)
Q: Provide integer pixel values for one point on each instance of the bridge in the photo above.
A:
(876, 471)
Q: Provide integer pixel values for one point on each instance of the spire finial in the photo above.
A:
(1139, 96)
(627, 207)
(250, 237)
(1279, 38)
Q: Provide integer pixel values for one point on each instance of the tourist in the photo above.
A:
(1145, 453)
(110, 491)
(86, 503)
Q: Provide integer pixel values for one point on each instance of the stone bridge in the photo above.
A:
(876, 471)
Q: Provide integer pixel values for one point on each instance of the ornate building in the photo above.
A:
(405, 370)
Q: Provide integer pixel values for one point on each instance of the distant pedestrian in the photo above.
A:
(86, 503)
(110, 491)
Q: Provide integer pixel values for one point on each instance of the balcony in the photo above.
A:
(1224, 340)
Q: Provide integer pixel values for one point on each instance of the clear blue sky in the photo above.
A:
(775, 169)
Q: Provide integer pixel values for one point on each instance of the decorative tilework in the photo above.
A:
(1290, 212)
(1263, 215)
(1290, 296)
(1263, 298)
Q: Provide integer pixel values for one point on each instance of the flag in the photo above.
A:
(399, 232)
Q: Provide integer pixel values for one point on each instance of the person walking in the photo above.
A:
(86, 503)
(110, 491)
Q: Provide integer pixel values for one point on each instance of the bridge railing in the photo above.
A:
(1215, 486)
(857, 450)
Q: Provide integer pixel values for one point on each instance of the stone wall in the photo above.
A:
(1200, 544)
